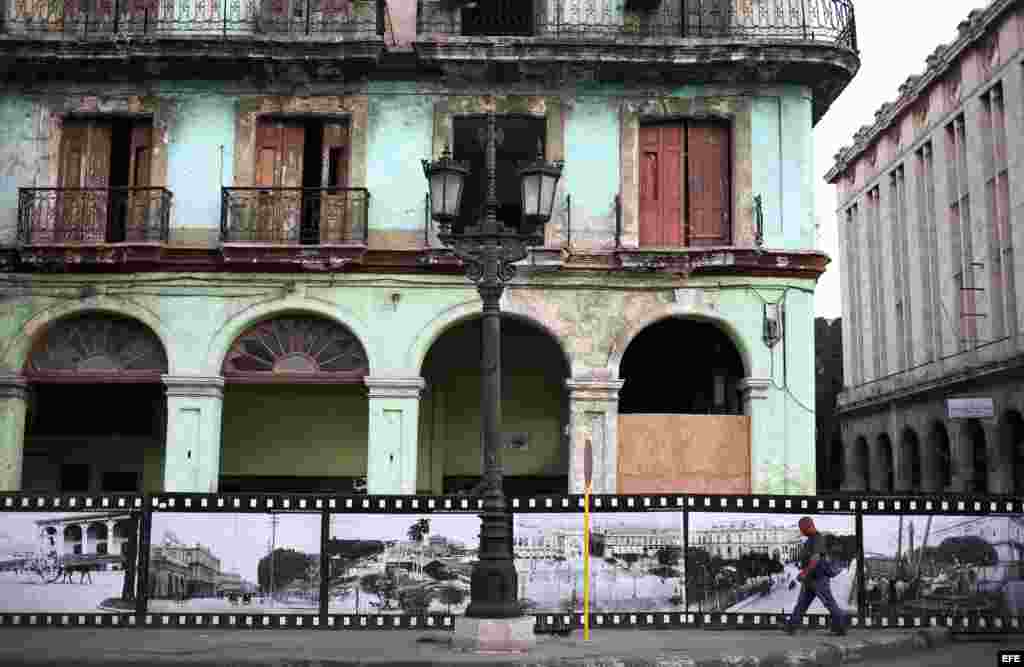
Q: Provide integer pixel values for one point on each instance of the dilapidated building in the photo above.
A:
(219, 272)
(929, 217)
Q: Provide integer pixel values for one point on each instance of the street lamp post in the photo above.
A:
(489, 249)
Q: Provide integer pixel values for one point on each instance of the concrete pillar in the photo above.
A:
(594, 414)
(901, 460)
(393, 434)
(112, 546)
(1000, 469)
(84, 527)
(192, 451)
(853, 480)
(962, 459)
(763, 456)
(13, 401)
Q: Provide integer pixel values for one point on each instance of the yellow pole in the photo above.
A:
(586, 563)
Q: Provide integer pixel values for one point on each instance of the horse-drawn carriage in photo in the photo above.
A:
(52, 568)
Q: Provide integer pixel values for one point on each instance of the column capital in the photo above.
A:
(594, 390)
(13, 386)
(194, 386)
(393, 386)
(755, 388)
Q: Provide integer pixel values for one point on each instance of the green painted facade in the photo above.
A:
(582, 320)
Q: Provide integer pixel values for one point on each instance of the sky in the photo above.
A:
(894, 40)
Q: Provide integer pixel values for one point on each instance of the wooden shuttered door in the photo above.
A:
(660, 188)
(337, 211)
(143, 219)
(708, 192)
(81, 215)
(279, 156)
(685, 192)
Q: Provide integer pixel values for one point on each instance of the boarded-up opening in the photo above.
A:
(684, 454)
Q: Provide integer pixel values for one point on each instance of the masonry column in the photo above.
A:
(192, 451)
(1000, 469)
(13, 401)
(962, 459)
(393, 434)
(766, 466)
(594, 414)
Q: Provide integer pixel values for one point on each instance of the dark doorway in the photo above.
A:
(121, 482)
(705, 380)
(499, 17)
(74, 478)
(312, 179)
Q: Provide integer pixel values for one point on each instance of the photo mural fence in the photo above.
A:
(404, 562)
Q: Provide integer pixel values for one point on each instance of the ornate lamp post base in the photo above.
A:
(494, 634)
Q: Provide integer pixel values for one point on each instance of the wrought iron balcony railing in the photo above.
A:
(49, 216)
(828, 21)
(314, 19)
(295, 216)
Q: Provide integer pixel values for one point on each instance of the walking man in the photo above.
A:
(814, 576)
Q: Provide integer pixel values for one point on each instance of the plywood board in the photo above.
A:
(684, 454)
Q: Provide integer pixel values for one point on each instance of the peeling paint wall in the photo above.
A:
(200, 141)
(23, 148)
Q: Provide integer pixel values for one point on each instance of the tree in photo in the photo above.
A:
(967, 550)
(384, 587)
(452, 595)
(436, 570)
(346, 554)
(289, 566)
(415, 600)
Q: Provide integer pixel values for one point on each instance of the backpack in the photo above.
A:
(833, 553)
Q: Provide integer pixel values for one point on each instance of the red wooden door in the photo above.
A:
(85, 163)
(143, 207)
(279, 155)
(660, 185)
(336, 210)
(708, 187)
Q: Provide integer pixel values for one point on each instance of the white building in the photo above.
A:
(734, 540)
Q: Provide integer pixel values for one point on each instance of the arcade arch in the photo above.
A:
(884, 475)
(940, 476)
(295, 410)
(96, 408)
(535, 409)
(910, 455)
(1012, 448)
(860, 465)
(975, 458)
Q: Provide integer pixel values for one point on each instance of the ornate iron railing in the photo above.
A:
(829, 21)
(356, 19)
(292, 216)
(93, 215)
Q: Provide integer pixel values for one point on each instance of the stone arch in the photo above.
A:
(225, 336)
(1011, 432)
(626, 336)
(468, 310)
(973, 461)
(939, 470)
(910, 461)
(18, 350)
(837, 462)
(884, 471)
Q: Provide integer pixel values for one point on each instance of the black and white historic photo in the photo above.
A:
(944, 564)
(401, 563)
(219, 563)
(635, 561)
(750, 562)
(69, 561)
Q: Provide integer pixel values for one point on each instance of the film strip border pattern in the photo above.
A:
(264, 503)
(859, 505)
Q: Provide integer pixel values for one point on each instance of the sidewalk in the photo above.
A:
(410, 648)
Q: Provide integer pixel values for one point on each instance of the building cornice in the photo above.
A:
(976, 25)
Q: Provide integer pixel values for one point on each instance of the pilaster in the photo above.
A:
(767, 466)
(1000, 467)
(13, 402)
(394, 404)
(192, 451)
(594, 415)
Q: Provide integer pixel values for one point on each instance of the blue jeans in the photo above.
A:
(822, 590)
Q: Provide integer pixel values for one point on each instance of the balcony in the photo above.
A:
(314, 227)
(93, 216)
(813, 42)
(211, 31)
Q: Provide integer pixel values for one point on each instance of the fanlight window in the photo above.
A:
(296, 349)
(97, 344)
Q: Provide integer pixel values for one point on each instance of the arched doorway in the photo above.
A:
(1011, 430)
(705, 383)
(296, 413)
(910, 454)
(940, 476)
(837, 464)
(680, 401)
(976, 456)
(861, 467)
(884, 483)
(97, 410)
(534, 410)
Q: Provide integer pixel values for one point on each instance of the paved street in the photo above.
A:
(960, 654)
(782, 598)
(223, 606)
(27, 592)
